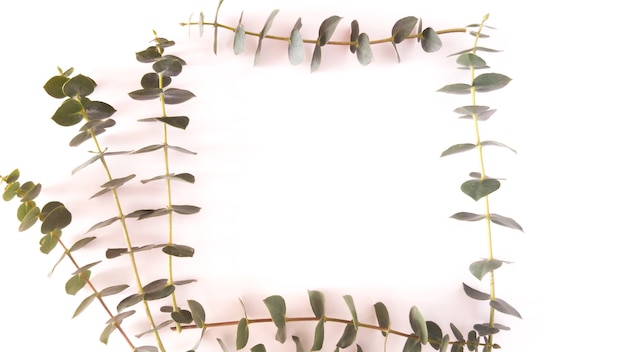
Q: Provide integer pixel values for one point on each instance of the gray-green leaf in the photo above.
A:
(363, 50)
(490, 81)
(266, 28)
(477, 189)
(482, 267)
(295, 51)
(501, 306)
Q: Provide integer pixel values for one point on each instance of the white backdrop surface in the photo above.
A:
(332, 180)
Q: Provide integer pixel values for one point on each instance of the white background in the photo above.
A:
(331, 180)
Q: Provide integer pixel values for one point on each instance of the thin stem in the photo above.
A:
(492, 285)
(314, 41)
(129, 246)
(168, 187)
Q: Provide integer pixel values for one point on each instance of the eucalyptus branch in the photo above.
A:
(54, 224)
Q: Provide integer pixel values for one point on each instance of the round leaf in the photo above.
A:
(54, 86)
(430, 40)
(477, 189)
(363, 50)
(69, 113)
(79, 86)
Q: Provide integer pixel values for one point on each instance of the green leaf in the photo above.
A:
(498, 144)
(266, 28)
(13, 176)
(158, 294)
(129, 301)
(10, 191)
(482, 267)
(484, 329)
(30, 191)
(458, 148)
(146, 349)
(472, 340)
(151, 81)
(430, 40)
(55, 217)
(295, 51)
(222, 345)
(76, 282)
(240, 37)
(182, 316)
(471, 60)
(113, 290)
(444, 343)
(277, 308)
(471, 109)
(108, 330)
(117, 182)
(83, 305)
(97, 110)
(258, 348)
(299, 346)
(187, 177)
(352, 308)
(181, 150)
(178, 250)
(197, 312)
(434, 334)
(146, 93)
(85, 268)
(354, 35)
(478, 188)
(348, 337)
(457, 333)
(69, 113)
(217, 11)
(316, 59)
(79, 86)
(412, 345)
(382, 315)
(158, 327)
(316, 298)
(243, 333)
(327, 28)
(185, 209)
(168, 67)
(48, 242)
(363, 50)
(54, 86)
(475, 294)
(177, 96)
(465, 216)
(501, 306)
(151, 54)
(456, 88)
(175, 121)
(418, 324)
(403, 28)
(318, 337)
(104, 223)
(505, 221)
(488, 82)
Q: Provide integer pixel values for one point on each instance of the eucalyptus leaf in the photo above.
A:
(471, 109)
(457, 333)
(182, 316)
(176, 96)
(148, 149)
(403, 28)
(151, 81)
(29, 219)
(258, 348)
(13, 176)
(444, 343)
(354, 35)
(146, 93)
(266, 28)
(478, 48)
(30, 191)
(104, 223)
(295, 51)
(456, 88)
(482, 267)
(430, 40)
(350, 303)
(54, 86)
(316, 298)
(117, 182)
(79, 86)
(181, 150)
(498, 144)
(503, 307)
(382, 315)
(418, 324)
(129, 301)
(97, 110)
(10, 191)
(363, 50)
(506, 222)
(222, 345)
(48, 242)
(69, 113)
(146, 349)
(479, 188)
(471, 60)
(299, 346)
(151, 54)
(483, 116)
(217, 11)
(185, 209)
(277, 308)
(458, 148)
(113, 290)
(83, 305)
(108, 330)
(434, 334)
(178, 250)
(167, 67)
(158, 327)
(465, 216)
(412, 344)
(85, 268)
(316, 59)
(240, 37)
(327, 28)
(475, 294)
(243, 333)
(158, 294)
(488, 82)
(55, 217)
(76, 282)
(472, 340)
(318, 336)
(348, 337)
(484, 329)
